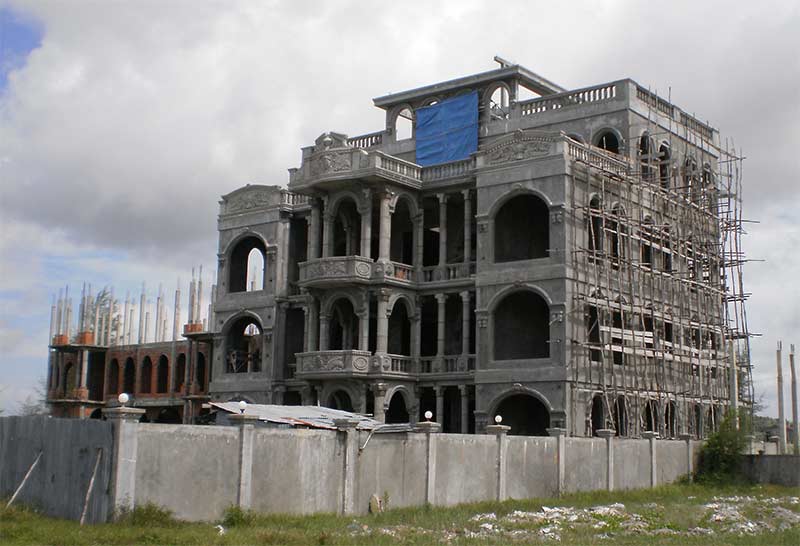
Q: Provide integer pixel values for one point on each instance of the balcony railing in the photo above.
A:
(448, 170)
(336, 269)
(401, 364)
(448, 272)
(599, 93)
(366, 141)
(333, 362)
(446, 364)
(403, 272)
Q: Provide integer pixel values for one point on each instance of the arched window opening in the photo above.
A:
(671, 420)
(404, 124)
(598, 416)
(162, 375)
(576, 137)
(180, 373)
(343, 326)
(647, 243)
(399, 330)
(521, 327)
(666, 252)
(525, 414)
(113, 377)
(246, 258)
(340, 400)
(595, 226)
(244, 346)
(347, 230)
(146, 376)
(200, 376)
(397, 412)
(709, 190)
(664, 165)
(697, 420)
(619, 322)
(620, 414)
(650, 416)
(690, 181)
(96, 379)
(712, 420)
(607, 140)
(129, 377)
(522, 229)
(70, 379)
(646, 159)
(402, 238)
(255, 270)
(616, 235)
(499, 103)
(593, 333)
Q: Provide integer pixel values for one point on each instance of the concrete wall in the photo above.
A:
(58, 483)
(198, 471)
(775, 469)
(192, 470)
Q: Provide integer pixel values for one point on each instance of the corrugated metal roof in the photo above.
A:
(303, 416)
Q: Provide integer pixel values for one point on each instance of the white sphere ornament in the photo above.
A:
(123, 398)
(498, 419)
(428, 415)
(242, 406)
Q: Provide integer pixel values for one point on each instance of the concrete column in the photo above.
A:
(463, 391)
(796, 439)
(608, 435)
(781, 416)
(501, 432)
(323, 331)
(465, 322)
(686, 437)
(246, 424)
(363, 336)
(439, 404)
(651, 437)
(442, 231)
(84, 369)
(467, 228)
(313, 326)
(125, 423)
(379, 400)
(349, 435)
(416, 334)
(327, 234)
(366, 225)
(440, 324)
(419, 238)
(430, 429)
(561, 455)
(385, 234)
(312, 250)
(382, 339)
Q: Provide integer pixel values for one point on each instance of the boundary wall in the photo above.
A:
(198, 471)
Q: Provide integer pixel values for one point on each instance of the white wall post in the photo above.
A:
(609, 434)
(501, 431)
(125, 422)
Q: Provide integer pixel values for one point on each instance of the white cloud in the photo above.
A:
(124, 127)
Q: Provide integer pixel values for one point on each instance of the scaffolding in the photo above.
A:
(660, 339)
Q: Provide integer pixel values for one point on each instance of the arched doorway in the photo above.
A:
(180, 373)
(650, 416)
(397, 411)
(243, 347)
(129, 377)
(522, 229)
(200, 376)
(402, 239)
(521, 326)
(525, 414)
(340, 400)
(162, 375)
(146, 376)
(113, 377)
(244, 263)
(607, 140)
(598, 416)
(399, 330)
(344, 322)
(347, 229)
(620, 414)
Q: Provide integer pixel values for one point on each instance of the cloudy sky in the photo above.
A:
(121, 123)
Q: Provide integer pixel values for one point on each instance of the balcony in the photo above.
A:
(335, 270)
(333, 363)
(448, 364)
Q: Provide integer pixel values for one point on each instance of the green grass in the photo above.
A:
(661, 511)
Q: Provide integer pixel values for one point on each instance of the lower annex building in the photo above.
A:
(563, 258)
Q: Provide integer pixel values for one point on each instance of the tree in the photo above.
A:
(36, 403)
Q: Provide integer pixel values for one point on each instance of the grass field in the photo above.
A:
(677, 514)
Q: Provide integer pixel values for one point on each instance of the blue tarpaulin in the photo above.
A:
(448, 130)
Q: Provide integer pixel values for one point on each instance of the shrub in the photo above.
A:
(235, 516)
(148, 515)
(719, 456)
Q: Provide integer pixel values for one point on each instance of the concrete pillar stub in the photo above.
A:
(686, 437)
(560, 435)
(497, 429)
(651, 437)
(555, 431)
(346, 423)
(428, 427)
(347, 428)
(125, 423)
(608, 434)
(242, 419)
(501, 432)
(246, 424)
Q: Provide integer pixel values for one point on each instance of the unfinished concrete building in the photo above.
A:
(562, 258)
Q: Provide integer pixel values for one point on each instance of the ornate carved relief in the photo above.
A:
(331, 162)
(249, 200)
(518, 147)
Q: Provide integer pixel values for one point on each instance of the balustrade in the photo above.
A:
(598, 93)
